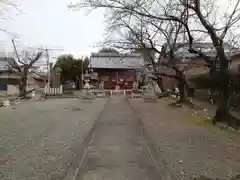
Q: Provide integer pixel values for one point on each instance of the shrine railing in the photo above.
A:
(49, 91)
(112, 92)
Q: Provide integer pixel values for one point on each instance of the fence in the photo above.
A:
(202, 95)
(235, 98)
(205, 82)
(112, 92)
(120, 92)
(49, 91)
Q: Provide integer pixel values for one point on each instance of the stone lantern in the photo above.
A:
(149, 94)
(86, 78)
(87, 94)
(149, 89)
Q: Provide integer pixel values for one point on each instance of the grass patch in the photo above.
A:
(198, 120)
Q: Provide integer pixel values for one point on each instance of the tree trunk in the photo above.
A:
(222, 113)
(23, 82)
(182, 91)
(23, 87)
(182, 84)
(77, 83)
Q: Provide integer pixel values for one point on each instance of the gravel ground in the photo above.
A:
(39, 139)
(188, 146)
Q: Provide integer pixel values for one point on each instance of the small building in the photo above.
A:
(10, 79)
(116, 71)
(193, 65)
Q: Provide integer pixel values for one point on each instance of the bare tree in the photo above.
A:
(135, 32)
(145, 28)
(22, 65)
(5, 7)
(196, 17)
(218, 32)
(170, 32)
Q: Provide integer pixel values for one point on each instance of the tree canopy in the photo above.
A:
(71, 68)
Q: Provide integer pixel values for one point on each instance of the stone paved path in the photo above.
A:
(118, 150)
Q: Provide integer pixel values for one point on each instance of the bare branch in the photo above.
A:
(34, 60)
(16, 52)
(231, 19)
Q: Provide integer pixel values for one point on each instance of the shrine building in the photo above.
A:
(116, 71)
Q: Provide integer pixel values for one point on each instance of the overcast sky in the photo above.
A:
(49, 23)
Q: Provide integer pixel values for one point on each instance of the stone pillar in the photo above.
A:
(149, 91)
(55, 76)
(101, 85)
(57, 79)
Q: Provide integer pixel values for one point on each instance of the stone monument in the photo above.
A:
(86, 80)
(149, 94)
(135, 85)
(87, 94)
(101, 86)
(117, 87)
(101, 92)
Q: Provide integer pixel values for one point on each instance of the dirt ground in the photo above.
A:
(187, 145)
(39, 139)
(72, 139)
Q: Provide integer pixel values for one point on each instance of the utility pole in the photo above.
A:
(82, 74)
(48, 68)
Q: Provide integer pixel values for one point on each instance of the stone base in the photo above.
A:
(149, 96)
(100, 94)
(87, 95)
(134, 95)
(150, 99)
